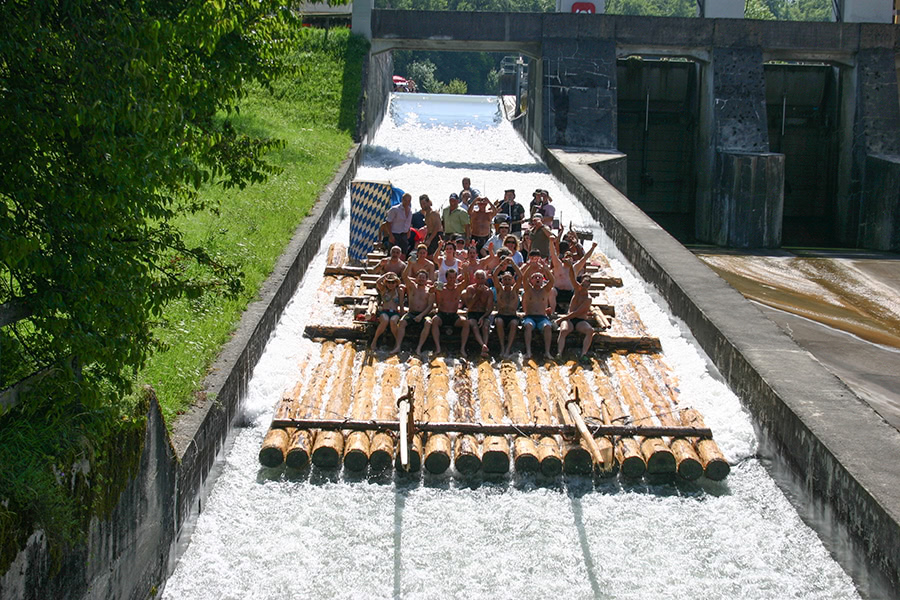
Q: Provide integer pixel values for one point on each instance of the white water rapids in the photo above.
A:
(271, 534)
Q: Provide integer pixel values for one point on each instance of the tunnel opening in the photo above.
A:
(802, 103)
(658, 109)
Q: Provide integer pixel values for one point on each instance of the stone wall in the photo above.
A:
(377, 86)
(579, 94)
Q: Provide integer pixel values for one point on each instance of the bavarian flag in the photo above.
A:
(369, 203)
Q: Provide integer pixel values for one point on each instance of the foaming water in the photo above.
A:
(276, 534)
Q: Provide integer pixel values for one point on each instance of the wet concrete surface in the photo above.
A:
(841, 306)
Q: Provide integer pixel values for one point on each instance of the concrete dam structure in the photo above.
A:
(748, 134)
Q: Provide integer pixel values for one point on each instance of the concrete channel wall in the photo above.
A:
(841, 451)
(130, 554)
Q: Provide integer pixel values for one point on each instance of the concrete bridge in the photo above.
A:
(728, 131)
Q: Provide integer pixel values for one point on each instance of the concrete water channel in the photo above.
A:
(283, 534)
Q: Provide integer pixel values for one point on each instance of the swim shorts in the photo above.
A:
(537, 321)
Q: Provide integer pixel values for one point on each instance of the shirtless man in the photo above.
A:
(447, 299)
(481, 216)
(507, 283)
(433, 226)
(564, 285)
(537, 302)
(421, 301)
(576, 319)
(472, 263)
(390, 306)
(394, 263)
(421, 263)
(479, 302)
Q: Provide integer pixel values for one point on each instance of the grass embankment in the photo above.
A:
(60, 466)
(315, 115)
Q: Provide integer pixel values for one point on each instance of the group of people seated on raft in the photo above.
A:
(489, 277)
(470, 215)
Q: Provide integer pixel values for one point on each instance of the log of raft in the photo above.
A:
(337, 255)
(338, 332)
(275, 444)
(525, 453)
(495, 451)
(547, 446)
(658, 456)
(591, 411)
(381, 453)
(356, 450)
(328, 446)
(297, 456)
(467, 449)
(415, 380)
(437, 446)
(628, 451)
(576, 458)
(715, 466)
(602, 340)
(687, 463)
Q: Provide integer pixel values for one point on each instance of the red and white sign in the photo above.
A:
(583, 7)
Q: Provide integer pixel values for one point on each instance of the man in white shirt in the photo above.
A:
(396, 226)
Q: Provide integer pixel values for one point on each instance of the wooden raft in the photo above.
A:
(548, 418)
(617, 413)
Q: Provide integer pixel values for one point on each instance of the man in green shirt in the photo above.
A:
(455, 219)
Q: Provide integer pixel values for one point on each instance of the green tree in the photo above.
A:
(111, 116)
(422, 72)
(455, 87)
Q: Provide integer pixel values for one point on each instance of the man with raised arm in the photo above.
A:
(478, 300)
(419, 263)
(481, 216)
(564, 286)
(507, 283)
(576, 319)
(420, 295)
(394, 263)
(537, 302)
(447, 299)
(390, 306)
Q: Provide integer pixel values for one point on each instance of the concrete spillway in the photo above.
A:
(282, 534)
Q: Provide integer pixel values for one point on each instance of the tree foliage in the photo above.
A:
(111, 123)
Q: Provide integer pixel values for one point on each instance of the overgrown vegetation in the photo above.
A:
(315, 113)
(62, 464)
(69, 448)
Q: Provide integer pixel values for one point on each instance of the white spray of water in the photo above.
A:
(271, 535)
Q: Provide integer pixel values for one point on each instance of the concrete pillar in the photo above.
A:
(870, 144)
(579, 93)
(721, 9)
(740, 183)
(362, 18)
(881, 215)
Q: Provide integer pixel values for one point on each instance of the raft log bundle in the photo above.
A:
(618, 412)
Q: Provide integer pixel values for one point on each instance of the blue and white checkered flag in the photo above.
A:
(369, 203)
